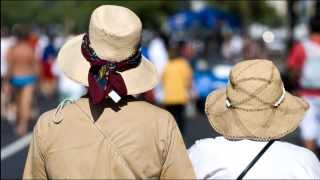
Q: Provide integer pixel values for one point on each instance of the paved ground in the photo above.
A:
(12, 165)
(197, 127)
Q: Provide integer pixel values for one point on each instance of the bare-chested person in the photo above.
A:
(22, 76)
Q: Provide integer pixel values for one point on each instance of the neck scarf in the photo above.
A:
(104, 76)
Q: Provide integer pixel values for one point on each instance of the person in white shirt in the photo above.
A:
(7, 41)
(158, 55)
(252, 114)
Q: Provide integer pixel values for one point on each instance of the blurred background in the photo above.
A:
(192, 43)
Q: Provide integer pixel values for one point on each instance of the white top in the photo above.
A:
(6, 44)
(220, 158)
(66, 86)
(158, 55)
(310, 125)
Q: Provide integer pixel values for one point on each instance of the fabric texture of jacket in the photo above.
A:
(138, 140)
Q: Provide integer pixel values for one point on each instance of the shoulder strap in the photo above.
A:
(253, 162)
(57, 115)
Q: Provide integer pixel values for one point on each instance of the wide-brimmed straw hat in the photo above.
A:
(254, 105)
(114, 34)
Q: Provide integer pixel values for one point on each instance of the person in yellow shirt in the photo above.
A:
(177, 83)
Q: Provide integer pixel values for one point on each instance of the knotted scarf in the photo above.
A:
(104, 76)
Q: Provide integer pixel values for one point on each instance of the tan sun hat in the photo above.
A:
(254, 105)
(114, 33)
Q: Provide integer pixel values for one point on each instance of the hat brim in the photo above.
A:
(138, 80)
(273, 123)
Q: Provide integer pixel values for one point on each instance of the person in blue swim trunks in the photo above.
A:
(19, 82)
(22, 77)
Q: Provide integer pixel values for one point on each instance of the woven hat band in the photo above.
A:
(276, 104)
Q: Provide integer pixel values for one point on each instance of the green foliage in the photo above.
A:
(74, 14)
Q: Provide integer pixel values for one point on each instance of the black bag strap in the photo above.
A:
(253, 162)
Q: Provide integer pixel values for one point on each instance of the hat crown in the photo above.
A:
(114, 32)
(254, 84)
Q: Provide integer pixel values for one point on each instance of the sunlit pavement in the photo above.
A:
(197, 127)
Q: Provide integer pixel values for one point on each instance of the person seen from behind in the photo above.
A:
(252, 114)
(177, 83)
(304, 64)
(7, 41)
(108, 134)
(48, 81)
(22, 76)
(202, 83)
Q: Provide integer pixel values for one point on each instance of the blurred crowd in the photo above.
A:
(28, 68)
(190, 67)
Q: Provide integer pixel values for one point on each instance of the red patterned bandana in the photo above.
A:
(104, 76)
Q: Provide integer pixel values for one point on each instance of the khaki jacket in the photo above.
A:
(138, 140)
